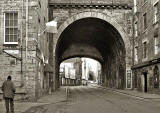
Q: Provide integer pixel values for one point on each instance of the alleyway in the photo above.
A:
(96, 100)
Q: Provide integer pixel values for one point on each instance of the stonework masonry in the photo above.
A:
(146, 70)
(66, 12)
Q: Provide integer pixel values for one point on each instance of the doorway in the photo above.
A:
(145, 82)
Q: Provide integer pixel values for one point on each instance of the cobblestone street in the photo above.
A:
(91, 99)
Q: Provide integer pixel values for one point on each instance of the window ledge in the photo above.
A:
(10, 43)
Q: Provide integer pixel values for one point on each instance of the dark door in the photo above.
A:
(145, 82)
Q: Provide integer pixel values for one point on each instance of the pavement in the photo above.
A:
(139, 94)
(23, 107)
(133, 93)
(61, 96)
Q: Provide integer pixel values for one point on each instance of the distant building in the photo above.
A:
(91, 70)
(146, 67)
(71, 71)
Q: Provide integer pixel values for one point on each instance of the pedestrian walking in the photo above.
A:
(8, 94)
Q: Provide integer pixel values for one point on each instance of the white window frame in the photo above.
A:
(5, 28)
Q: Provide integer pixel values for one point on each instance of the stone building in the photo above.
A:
(24, 46)
(146, 46)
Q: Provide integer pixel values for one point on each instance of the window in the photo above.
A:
(11, 28)
(13, 62)
(39, 4)
(145, 21)
(144, 49)
(156, 45)
(136, 30)
(156, 12)
(136, 54)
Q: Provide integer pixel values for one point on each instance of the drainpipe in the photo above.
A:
(26, 44)
(133, 43)
(21, 45)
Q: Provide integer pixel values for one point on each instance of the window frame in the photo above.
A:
(144, 21)
(136, 54)
(156, 14)
(145, 49)
(14, 43)
(136, 29)
(156, 44)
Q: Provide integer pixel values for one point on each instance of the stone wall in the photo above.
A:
(10, 65)
(29, 81)
(148, 64)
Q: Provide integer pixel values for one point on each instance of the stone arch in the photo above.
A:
(99, 15)
(108, 19)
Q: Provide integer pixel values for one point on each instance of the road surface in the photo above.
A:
(91, 99)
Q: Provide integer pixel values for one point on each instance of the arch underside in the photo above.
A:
(97, 39)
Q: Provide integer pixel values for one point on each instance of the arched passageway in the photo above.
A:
(98, 39)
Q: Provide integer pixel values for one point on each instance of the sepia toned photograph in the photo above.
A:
(79, 56)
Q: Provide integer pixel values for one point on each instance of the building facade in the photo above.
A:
(24, 45)
(146, 46)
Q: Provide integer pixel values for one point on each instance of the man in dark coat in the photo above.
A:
(8, 94)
